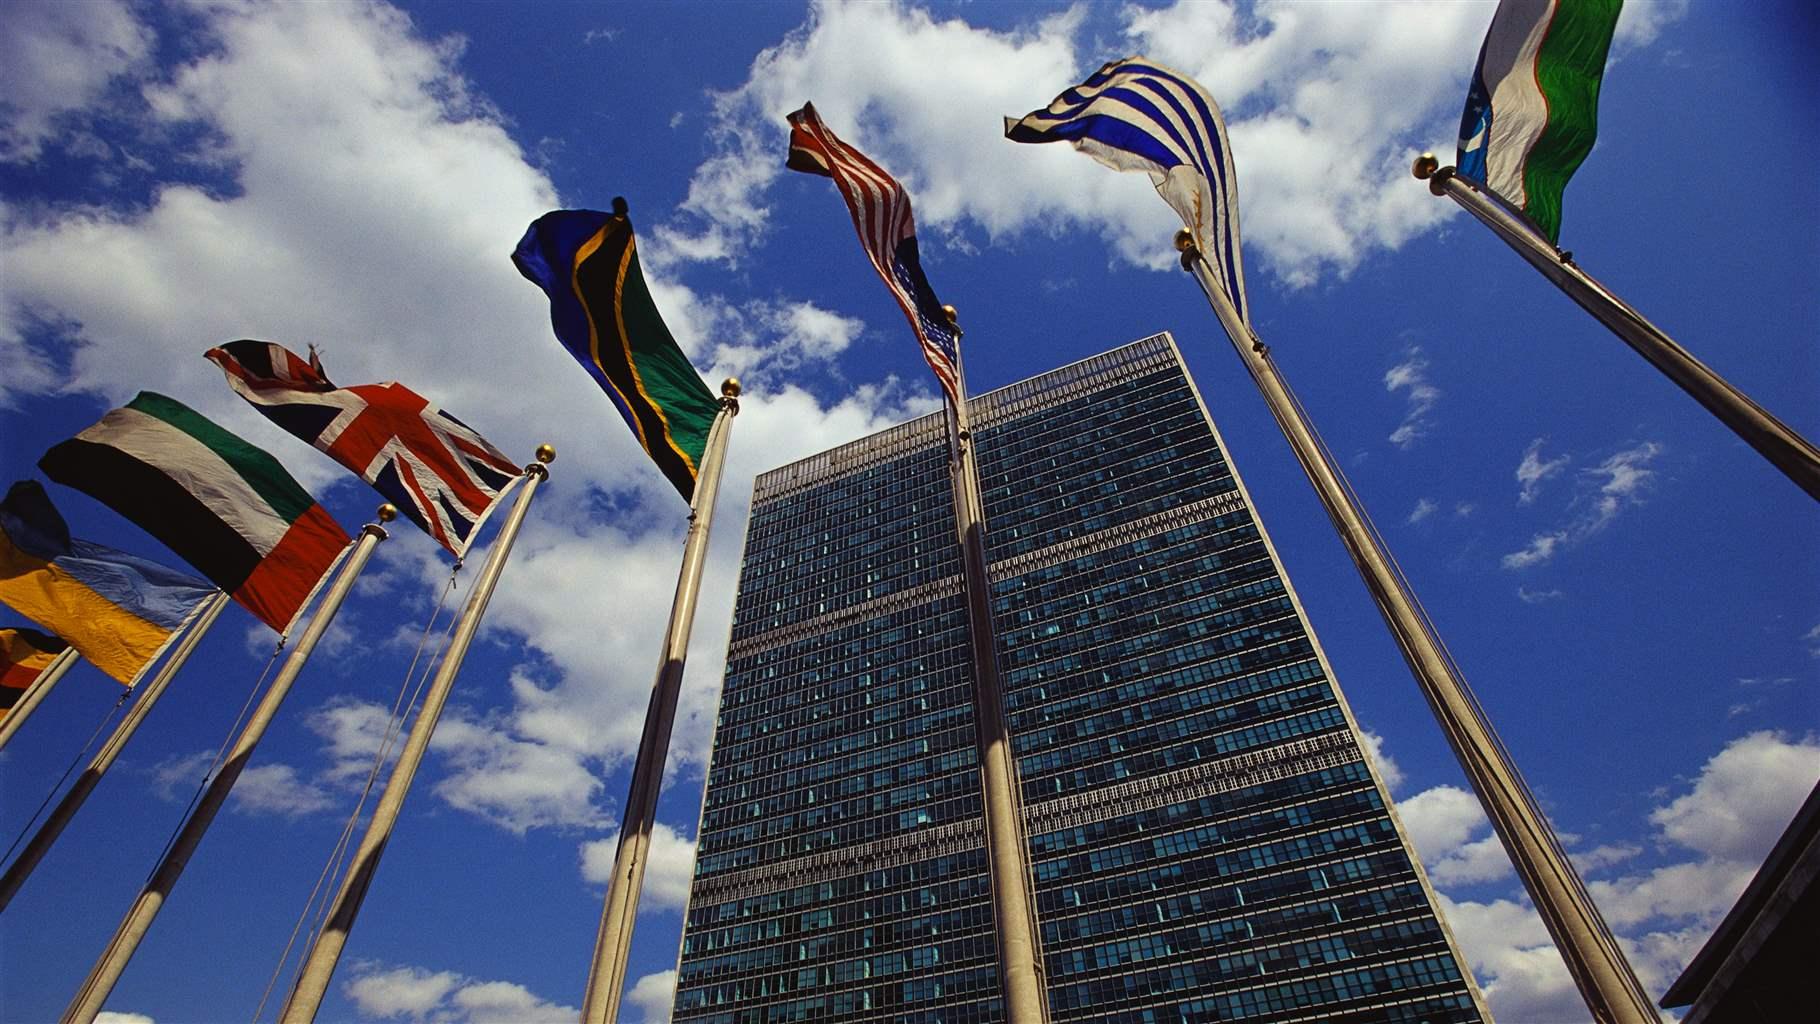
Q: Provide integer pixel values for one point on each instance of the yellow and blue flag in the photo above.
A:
(117, 610)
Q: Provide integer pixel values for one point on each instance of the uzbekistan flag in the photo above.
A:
(223, 505)
(116, 609)
(587, 263)
(1532, 110)
(441, 474)
(24, 655)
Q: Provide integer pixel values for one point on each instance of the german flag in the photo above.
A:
(24, 655)
(587, 263)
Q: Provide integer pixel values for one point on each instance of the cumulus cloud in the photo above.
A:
(417, 994)
(1534, 469)
(1442, 823)
(1541, 548)
(654, 994)
(667, 873)
(56, 60)
(1713, 836)
(277, 789)
(1388, 769)
(119, 1017)
(1411, 377)
(1424, 508)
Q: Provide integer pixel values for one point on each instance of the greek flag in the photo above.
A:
(1137, 115)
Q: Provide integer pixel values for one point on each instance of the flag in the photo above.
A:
(224, 506)
(1137, 115)
(587, 263)
(440, 473)
(116, 609)
(24, 655)
(1532, 109)
(881, 214)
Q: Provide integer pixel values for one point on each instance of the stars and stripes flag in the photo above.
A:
(1137, 115)
(881, 214)
(440, 473)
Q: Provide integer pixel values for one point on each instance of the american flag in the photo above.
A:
(881, 215)
(440, 473)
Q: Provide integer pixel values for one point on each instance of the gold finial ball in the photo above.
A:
(1184, 240)
(729, 388)
(1426, 166)
(387, 512)
(546, 453)
(953, 315)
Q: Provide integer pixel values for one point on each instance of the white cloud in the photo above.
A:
(1538, 596)
(1542, 547)
(654, 994)
(1424, 508)
(667, 872)
(1534, 469)
(445, 997)
(1463, 509)
(1411, 376)
(277, 789)
(56, 59)
(1812, 638)
(1388, 769)
(1605, 490)
(1722, 826)
(1441, 823)
(514, 783)
(118, 1017)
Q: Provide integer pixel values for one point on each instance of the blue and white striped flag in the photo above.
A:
(1137, 115)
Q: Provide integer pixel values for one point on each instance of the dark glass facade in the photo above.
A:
(1208, 841)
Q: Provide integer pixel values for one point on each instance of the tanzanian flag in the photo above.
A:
(1532, 110)
(225, 506)
(24, 655)
(587, 263)
(116, 609)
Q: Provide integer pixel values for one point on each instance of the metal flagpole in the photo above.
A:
(86, 1005)
(22, 867)
(1598, 966)
(607, 976)
(319, 963)
(1787, 450)
(1020, 952)
(40, 688)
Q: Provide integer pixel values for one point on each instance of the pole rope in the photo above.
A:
(58, 785)
(335, 864)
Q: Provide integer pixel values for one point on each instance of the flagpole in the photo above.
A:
(87, 1003)
(607, 976)
(40, 688)
(27, 861)
(1787, 450)
(1598, 966)
(1020, 952)
(319, 963)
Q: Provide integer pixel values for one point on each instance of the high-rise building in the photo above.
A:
(1208, 839)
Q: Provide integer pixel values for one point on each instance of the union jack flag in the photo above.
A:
(440, 473)
(881, 214)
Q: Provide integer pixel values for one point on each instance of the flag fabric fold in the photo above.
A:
(24, 655)
(440, 473)
(1137, 115)
(117, 610)
(887, 232)
(586, 262)
(1532, 110)
(226, 507)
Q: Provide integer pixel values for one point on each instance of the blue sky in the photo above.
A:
(1630, 589)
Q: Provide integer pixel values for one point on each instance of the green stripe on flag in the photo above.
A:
(259, 469)
(1569, 69)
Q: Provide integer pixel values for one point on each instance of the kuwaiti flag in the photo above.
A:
(117, 610)
(440, 473)
(1532, 110)
(24, 655)
(225, 506)
(1137, 115)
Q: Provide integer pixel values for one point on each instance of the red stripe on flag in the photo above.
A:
(283, 579)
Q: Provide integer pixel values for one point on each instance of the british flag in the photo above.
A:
(440, 473)
(881, 214)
